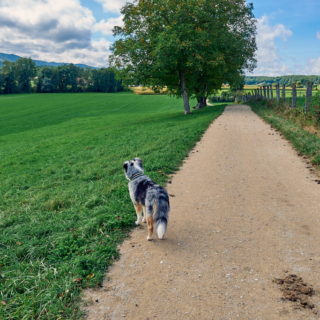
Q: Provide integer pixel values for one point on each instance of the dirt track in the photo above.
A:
(246, 210)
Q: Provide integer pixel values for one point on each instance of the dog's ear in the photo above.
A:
(139, 161)
(125, 166)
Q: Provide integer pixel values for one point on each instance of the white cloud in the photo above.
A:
(269, 60)
(312, 67)
(106, 26)
(112, 5)
(318, 35)
(51, 30)
(96, 55)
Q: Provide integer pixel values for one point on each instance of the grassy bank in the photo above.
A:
(291, 124)
(64, 202)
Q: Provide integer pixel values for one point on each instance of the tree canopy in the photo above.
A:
(191, 47)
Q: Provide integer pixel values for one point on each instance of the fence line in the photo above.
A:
(266, 93)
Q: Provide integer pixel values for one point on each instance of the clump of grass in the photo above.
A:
(296, 115)
(64, 202)
(290, 123)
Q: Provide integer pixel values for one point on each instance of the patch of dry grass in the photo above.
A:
(146, 91)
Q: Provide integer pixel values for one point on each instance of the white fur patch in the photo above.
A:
(161, 230)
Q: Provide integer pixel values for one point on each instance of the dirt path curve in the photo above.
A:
(245, 211)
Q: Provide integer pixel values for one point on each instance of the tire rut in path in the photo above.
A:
(245, 212)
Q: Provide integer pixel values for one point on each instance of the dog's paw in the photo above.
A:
(149, 238)
(144, 220)
(137, 222)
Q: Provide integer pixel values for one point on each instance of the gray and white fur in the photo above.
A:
(149, 197)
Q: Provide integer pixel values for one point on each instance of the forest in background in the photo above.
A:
(24, 76)
(287, 80)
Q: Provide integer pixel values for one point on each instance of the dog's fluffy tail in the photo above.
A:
(161, 209)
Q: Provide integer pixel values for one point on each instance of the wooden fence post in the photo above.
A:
(308, 96)
(264, 93)
(268, 93)
(260, 92)
(294, 95)
(278, 92)
(284, 92)
(271, 92)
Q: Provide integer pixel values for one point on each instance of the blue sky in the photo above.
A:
(293, 27)
(79, 31)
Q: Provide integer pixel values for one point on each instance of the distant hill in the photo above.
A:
(13, 58)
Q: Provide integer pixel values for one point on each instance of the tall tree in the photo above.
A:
(8, 71)
(44, 83)
(25, 70)
(74, 73)
(1, 82)
(188, 46)
(61, 78)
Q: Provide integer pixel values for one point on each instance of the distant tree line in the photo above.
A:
(23, 76)
(301, 81)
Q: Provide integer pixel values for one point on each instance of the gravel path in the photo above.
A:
(245, 211)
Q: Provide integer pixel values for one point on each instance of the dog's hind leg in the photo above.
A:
(144, 215)
(150, 222)
(138, 208)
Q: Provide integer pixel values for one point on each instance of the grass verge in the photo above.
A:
(64, 201)
(306, 143)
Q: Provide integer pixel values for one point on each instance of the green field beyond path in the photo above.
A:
(64, 201)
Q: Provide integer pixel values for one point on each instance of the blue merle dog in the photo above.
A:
(148, 197)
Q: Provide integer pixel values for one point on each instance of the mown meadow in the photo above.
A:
(64, 202)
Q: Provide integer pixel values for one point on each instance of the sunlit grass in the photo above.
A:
(146, 91)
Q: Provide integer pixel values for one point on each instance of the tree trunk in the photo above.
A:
(308, 96)
(184, 92)
(278, 92)
(294, 95)
(204, 96)
(202, 101)
(198, 106)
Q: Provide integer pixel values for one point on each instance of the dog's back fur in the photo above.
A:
(149, 196)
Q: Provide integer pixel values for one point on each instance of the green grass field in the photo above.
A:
(64, 201)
